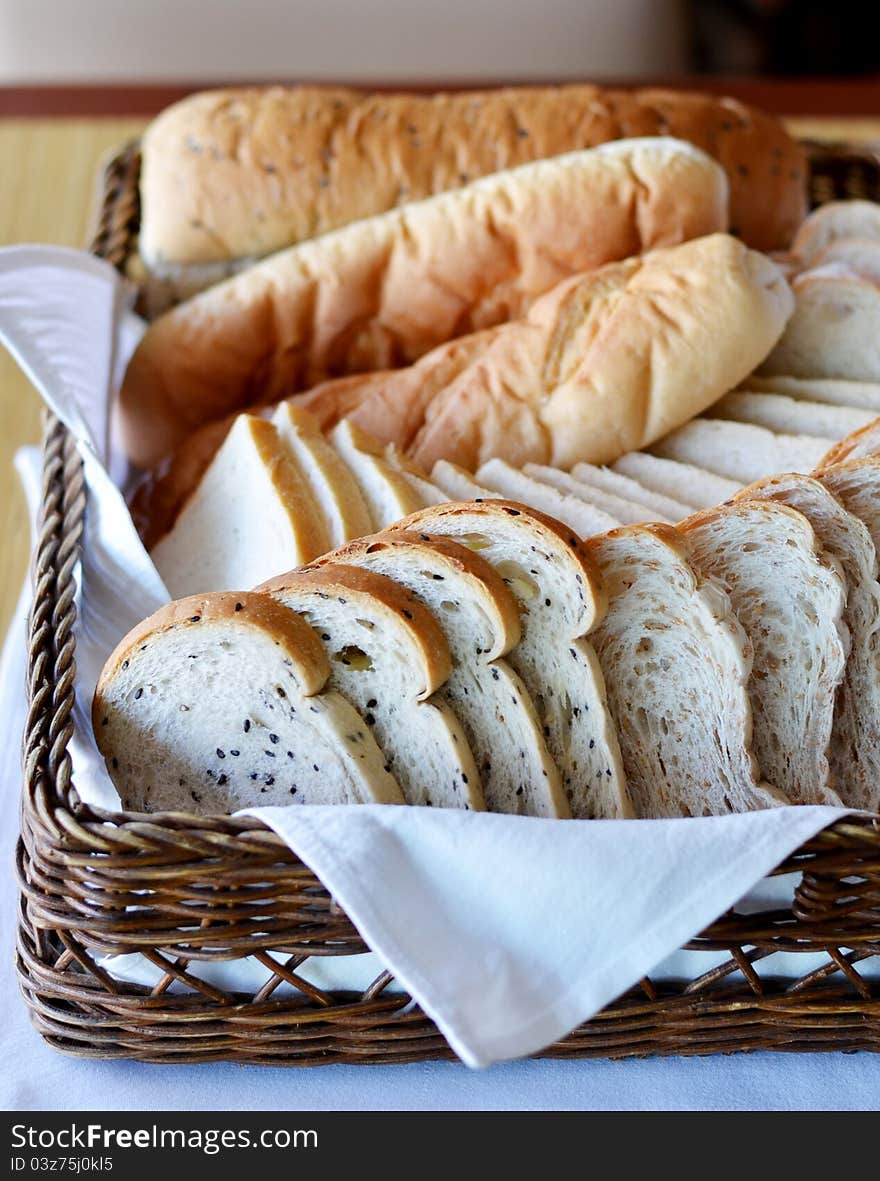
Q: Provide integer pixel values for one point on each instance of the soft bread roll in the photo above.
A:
(218, 702)
(237, 174)
(382, 292)
(604, 363)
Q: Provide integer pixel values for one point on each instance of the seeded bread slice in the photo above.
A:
(780, 413)
(676, 665)
(332, 485)
(854, 753)
(861, 444)
(561, 597)
(789, 595)
(217, 702)
(388, 656)
(741, 451)
(584, 518)
(865, 395)
(252, 515)
(628, 512)
(388, 493)
(664, 508)
(691, 485)
(459, 484)
(480, 618)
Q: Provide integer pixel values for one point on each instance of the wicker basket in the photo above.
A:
(214, 888)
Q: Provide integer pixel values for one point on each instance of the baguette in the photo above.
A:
(382, 292)
(231, 175)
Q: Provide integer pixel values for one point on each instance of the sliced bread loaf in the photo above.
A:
(388, 656)
(217, 702)
(480, 618)
(695, 486)
(780, 413)
(789, 596)
(252, 515)
(628, 512)
(388, 493)
(676, 664)
(865, 395)
(332, 485)
(561, 597)
(740, 450)
(509, 481)
(664, 508)
(459, 484)
(854, 753)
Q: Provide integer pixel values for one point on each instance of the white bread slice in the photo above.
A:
(252, 515)
(691, 485)
(459, 484)
(676, 664)
(388, 493)
(740, 450)
(333, 487)
(480, 618)
(789, 596)
(865, 395)
(778, 412)
(428, 492)
(859, 255)
(834, 329)
(836, 219)
(388, 656)
(664, 507)
(584, 518)
(561, 596)
(217, 702)
(854, 753)
(628, 512)
(861, 444)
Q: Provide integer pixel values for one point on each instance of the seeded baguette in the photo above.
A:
(388, 657)
(218, 702)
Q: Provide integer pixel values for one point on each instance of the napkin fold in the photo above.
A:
(509, 932)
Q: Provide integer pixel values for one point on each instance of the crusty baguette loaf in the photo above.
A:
(854, 752)
(789, 594)
(604, 363)
(383, 292)
(217, 702)
(562, 598)
(676, 664)
(388, 656)
(234, 174)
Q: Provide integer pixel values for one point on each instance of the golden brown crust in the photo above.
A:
(378, 593)
(246, 172)
(868, 435)
(246, 608)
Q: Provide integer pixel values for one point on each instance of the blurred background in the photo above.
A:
(58, 41)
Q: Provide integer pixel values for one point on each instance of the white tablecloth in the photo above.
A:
(33, 1077)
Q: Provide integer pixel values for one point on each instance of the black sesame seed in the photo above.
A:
(269, 780)
(253, 775)
(293, 790)
(139, 695)
(325, 636)
(369, 719)
(273, 738)
(546, 602)
(280, 691)
(221, 779)
(196, 796)
(388, 768)
(519, 790)
(195, 619)
(236, 753)
(291, 755)
(496, 676)
(269, 753)
(104, 721)
(592, 743)
(239, 606)
(408, 614)
(372, 703)
(315, 767)
(125, 664)
(247, 725)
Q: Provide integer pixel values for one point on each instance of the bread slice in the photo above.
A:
(861, 444)
(865, 395)
(428, 492)
(459, 484)
(628, 512)
(832, 221)
(388, 656)
(789, 596)
(663, 508)
(854, 753)
(676, 664)
(782, 414)
(218, 702)
(741, 451)
(833, 332)
(859, 255)
(387, 491)
(584, 518)
(251, 515)
(560, 594)
(691, 485)
(480, 618)
(331, 483)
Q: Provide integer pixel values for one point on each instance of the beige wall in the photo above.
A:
(93, 40)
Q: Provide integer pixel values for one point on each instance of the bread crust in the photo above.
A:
(243, 172)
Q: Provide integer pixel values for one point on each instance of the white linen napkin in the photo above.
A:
(508, 932)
